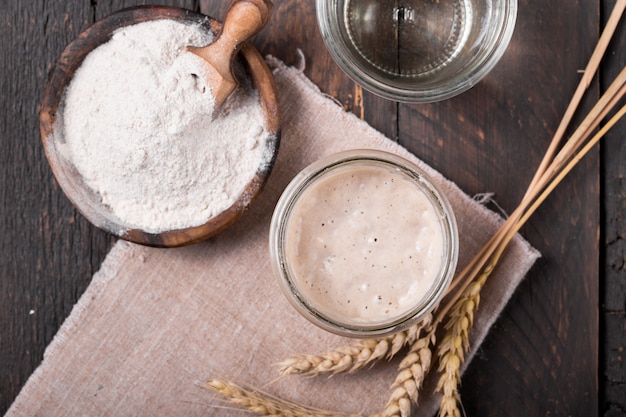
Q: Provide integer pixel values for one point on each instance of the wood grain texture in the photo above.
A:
(49, 252)
(542, 356)
(612, 373)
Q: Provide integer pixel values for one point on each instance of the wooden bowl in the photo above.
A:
(85, 199)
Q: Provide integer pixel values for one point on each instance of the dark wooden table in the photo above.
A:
(557, 350)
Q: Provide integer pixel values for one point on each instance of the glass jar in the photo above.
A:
(416, 50)
(363, 243)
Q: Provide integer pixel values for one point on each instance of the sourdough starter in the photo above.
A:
(365, 244)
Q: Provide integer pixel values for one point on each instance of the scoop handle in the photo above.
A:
(244, 19)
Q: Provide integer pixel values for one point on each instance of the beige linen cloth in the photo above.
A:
(155, 323)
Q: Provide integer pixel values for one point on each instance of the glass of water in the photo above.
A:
(416, 50)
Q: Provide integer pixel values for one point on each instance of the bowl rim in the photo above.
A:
(71, 59)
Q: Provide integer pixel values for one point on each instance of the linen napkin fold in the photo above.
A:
(154, 323)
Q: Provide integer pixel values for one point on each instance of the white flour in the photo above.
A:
(137, 121)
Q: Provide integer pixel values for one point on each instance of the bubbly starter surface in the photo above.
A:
(365, 244)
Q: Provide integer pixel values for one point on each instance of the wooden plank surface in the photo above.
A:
(49, 252)
(542, 357)
(613, 241)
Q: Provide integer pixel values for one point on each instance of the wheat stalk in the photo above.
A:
(460, 310)
(550, 173)
(455, 342)
(454, 345)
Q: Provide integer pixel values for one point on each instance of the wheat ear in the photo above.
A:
(263, 404)
(411, 373)
(455, 343)
(352, 357)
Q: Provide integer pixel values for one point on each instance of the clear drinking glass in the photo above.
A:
(416, 50)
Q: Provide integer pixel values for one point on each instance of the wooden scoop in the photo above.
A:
(244, 19)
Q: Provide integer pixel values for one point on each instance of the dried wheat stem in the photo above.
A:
(478, 262)
(556, 169)
(581, 135)
(264, 404)
(455, 342)
(590, 71)
(621, 113)
(549, 158)
(460, 311)
(352, 357)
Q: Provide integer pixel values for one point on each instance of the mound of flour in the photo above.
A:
(137, 123)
